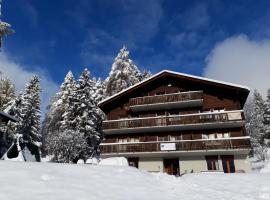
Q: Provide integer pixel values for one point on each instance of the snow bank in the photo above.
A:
(266, 168)
(92, 161)
(116, 161)
(43, 181)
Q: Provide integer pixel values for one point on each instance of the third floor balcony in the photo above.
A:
(167, 101)
(197, 121)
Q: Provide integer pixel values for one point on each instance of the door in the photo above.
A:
(228, 163)
(212, 162)
(171, 166)
(133, 162)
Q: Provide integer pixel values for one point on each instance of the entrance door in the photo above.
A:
(133, 162)
(228, 163)
(171, 166)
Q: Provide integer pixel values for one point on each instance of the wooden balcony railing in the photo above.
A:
(184, 96)
(172, 120)
(180, 145)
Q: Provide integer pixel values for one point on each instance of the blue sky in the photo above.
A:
(225, 40)
(177, 35)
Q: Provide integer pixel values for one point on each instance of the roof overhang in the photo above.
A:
(217, 83)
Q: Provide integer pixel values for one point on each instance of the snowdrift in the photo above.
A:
(43, 181)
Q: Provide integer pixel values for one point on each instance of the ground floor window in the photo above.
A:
(212, 162)
(228, 163)
(171, 166)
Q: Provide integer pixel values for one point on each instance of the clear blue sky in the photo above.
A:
(58, 35)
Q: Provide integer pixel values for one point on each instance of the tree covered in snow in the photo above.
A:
(30, 125)
(26, 109)
(7, 92)
(73, 121)
(99, 90)
(124, 73)
(88, 119)
(267, 116)
(254, 112)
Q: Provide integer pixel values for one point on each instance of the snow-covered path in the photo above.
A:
(43, 181)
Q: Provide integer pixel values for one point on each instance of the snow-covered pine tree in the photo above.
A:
(7, 92)
(88, 119)
(124, 73)
(146, 74)
(14, 108)
(267, 119)
(68, 102)
(58, 120)
(254, 112)
(99, 90)
(29, 127)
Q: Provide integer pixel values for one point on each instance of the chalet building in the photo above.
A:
(178, 123)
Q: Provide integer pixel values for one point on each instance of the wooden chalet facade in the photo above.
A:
(178, 123)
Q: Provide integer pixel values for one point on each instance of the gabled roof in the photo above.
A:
(7, 117)
(183, 75)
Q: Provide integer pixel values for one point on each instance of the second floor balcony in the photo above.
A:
(197, 121)
(167, 101)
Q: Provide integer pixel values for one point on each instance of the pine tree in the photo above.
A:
(254, 112)
(72, 126)
(99, 90)
(56, 121)
(68, 99)
(7, 92)
(124, 73)
(88, 120)
(146, 74)
(29, 127)
(267, 118)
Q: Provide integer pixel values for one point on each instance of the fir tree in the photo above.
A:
(99, 90)
(7, 92)
(88, 120)
(30, 123)
(124, 73)
(267, 118)
(72, 126)
(254, 112)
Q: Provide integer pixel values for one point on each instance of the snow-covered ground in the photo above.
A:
(43, 181)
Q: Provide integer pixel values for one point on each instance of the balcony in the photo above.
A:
(167, 101)
(197, 121)
(176, 146)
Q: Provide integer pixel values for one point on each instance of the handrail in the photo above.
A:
(186, 115)
(159, 95)
(176, 141)
(166, 98)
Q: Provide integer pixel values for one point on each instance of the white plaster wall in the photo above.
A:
(151, 164)
(242, 162)
(195, 163)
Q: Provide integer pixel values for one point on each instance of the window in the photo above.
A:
(212, 162)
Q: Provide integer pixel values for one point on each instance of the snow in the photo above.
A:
(266, 168)
(43, 181)
(116, 161)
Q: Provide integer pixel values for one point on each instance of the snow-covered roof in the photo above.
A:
(7, 116)
(175, 73)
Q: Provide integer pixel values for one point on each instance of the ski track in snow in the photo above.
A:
(43, 181)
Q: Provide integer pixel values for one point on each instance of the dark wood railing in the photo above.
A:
(185, 96)
(173, 120)
(179, 146)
